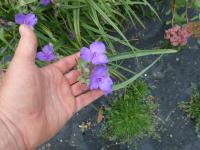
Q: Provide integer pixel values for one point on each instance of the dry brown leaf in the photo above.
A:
(100, 116)
(194, 28)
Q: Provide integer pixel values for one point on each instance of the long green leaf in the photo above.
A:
(76, 17)
(140, 53)
(101, 12)
(129, 81)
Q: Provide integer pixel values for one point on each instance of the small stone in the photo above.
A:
(177, 59)
(170, 135)
(48, 145)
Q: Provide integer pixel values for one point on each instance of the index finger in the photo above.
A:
(67, 63)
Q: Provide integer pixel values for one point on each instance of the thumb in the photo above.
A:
(27, 46)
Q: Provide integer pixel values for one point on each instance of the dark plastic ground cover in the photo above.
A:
(170, 81)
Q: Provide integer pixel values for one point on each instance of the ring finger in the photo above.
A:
(72, 76)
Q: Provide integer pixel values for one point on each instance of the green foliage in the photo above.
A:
(180, 9)
(72, 24)
(132, 115)
(135, 77)
(86, 20)
(193, 107)
(198, 42)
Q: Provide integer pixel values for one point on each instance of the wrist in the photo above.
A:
(10, 135)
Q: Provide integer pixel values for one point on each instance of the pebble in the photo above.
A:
(48, 145)
(177, 59)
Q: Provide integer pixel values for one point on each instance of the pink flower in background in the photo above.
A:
(177, 35)
(28, 19)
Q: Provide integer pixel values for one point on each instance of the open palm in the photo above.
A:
(39, 101)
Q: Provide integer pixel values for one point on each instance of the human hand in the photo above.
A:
(37, 102)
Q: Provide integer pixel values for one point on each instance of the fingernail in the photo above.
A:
(21, 29)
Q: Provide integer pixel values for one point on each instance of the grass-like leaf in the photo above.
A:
(140, 53)
(129, 81)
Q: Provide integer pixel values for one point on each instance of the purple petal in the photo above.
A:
(93, 84)
(86, 54)
(49, 52)
(51, 57)
(98, 47)
(106, 85)
(100, 79)
(100, 71)
(31, 20)
(45, 2)
(41, 56)
(20, 18)
(97, 74)
(100, 59)
(48, 49)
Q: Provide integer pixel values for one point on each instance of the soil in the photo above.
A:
(170, 81)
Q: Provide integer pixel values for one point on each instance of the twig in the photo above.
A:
(173, 11)
(186, 11)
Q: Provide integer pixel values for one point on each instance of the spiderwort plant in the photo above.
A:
(29, 19)
(94, 70)
(47, 54)
(92, 64)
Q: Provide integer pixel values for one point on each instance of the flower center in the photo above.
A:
(99, 79)
(94, 55)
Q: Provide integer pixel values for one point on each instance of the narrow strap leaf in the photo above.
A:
(129, 81)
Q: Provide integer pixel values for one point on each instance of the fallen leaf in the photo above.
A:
(100, 116)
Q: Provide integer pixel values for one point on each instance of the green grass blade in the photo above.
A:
(101, 12)
(129, 81)
(76, 17)
(128, 55)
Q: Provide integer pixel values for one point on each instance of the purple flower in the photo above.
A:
(45, 2)
(100, 79)
(28, 19)
(95, 54)
(47, 54)
(71, 36)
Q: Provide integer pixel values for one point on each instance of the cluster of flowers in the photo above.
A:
(96, 58)
(177, 35)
